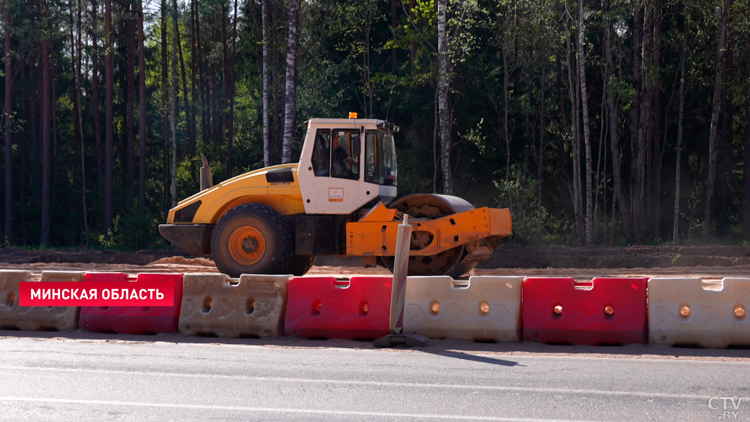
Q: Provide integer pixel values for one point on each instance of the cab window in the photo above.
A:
(344, 163)
(372, 174)
(321, 155)
(380, 155)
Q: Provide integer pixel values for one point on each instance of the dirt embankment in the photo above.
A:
(586, 262)
(514, 256)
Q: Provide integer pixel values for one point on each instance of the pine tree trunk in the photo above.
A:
(141, 113)
(109, 83)
(562, 165)
(644, 129)
(200, 68)
(232, 88)
(435, 163)
(130, 81)
(394, 27)
(443, 87)
(193, 74)
(34, 117)
(8, 119)
(506, 121)
(540, 152)
(165, 114)
(79, 118)
(575, 110)
(95, 108)
(188, 117)
(713, 137)
(266, 124)
(724, 147)
(53, 100)
(278, 98)
(290, 103)
(506, 113)
(225, 72)
(657, 130)
(173, 120)
(46, 130)
(74, 63)
(746, 167)
(680, 120)
(614, 134)
(26, 108)
(586, 131)
(635, 116)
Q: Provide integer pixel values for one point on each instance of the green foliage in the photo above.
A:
(508, 59)
(532, 224)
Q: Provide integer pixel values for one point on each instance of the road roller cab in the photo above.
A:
(338, 200)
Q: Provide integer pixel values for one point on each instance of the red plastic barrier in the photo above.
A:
(133, 319)
(604, 310)
(324, 307)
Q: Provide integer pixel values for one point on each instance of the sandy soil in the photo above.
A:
(710, 262)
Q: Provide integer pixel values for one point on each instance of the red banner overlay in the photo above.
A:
(143, 293)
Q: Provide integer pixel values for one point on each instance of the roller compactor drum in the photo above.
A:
(338, 200)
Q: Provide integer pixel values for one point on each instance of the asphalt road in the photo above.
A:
(172, 378)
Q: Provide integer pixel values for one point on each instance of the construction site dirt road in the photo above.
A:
(710, 262)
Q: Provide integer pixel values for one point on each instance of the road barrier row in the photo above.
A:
(668, 311)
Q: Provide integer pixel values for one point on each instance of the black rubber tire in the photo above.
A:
(300, 265)
(276, 233)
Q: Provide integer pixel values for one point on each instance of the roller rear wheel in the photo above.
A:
(252, 239)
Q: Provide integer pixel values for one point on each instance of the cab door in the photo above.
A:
(331, 171)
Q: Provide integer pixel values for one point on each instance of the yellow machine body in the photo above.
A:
(251, 187)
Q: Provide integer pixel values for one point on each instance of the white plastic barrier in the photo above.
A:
(9, 316)
(691, 311)
(214, 304)
(36, 318)
(482, 308)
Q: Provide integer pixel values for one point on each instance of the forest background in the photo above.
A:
(609, 122)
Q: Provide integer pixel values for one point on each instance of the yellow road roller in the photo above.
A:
(339, 199)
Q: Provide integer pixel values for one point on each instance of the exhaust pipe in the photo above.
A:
(206, 179)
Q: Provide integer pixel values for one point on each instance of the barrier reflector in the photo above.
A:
(691, 311)
(481, 308)
(133, 319)
(35, 318)
(324, 307)
(604, 310)
(214, 304)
